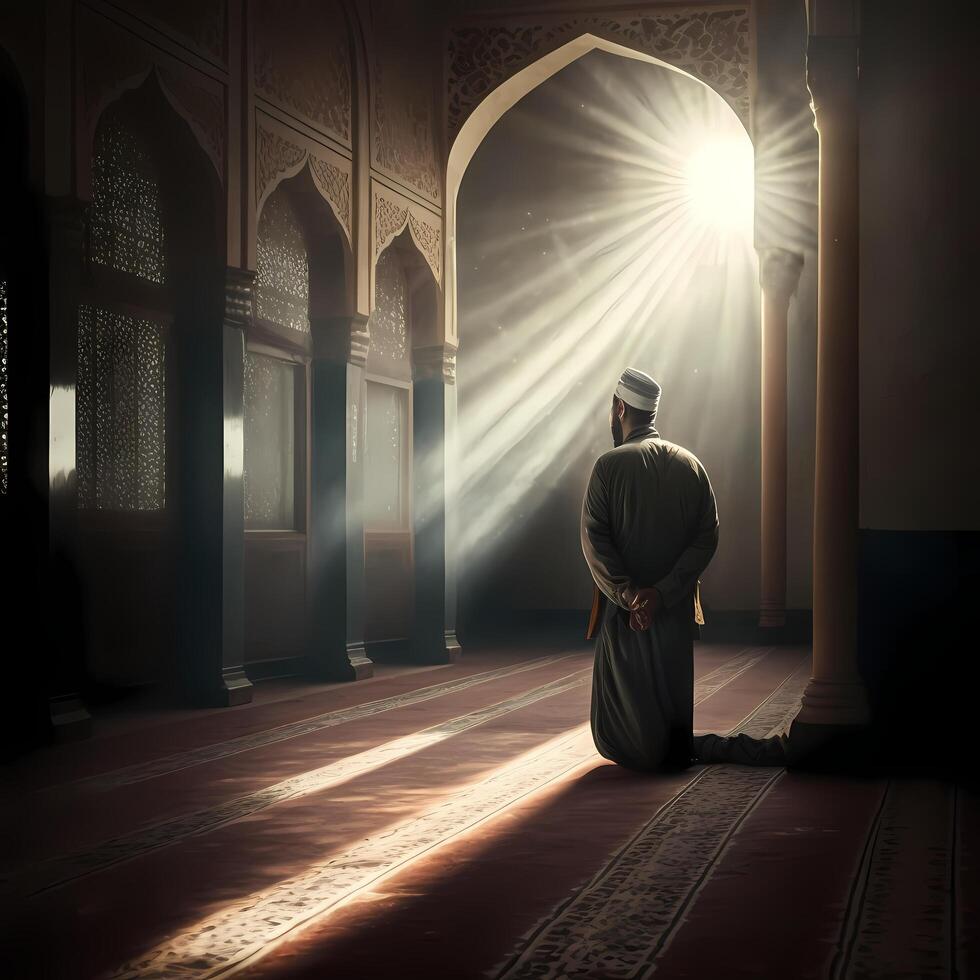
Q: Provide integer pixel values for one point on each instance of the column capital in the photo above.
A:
(435, 361)
(779, 271)
(239, 284)
(341, 339)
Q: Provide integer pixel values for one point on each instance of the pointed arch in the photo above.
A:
(504, 97)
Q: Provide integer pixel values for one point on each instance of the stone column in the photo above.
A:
(66, 636)
(835, 695)
(434, 434)
(780, 274)
(336, 571)
(211, 497)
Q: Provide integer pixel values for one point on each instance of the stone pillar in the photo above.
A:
(780, 274)
(434, 434)
(66, 635)
(336, 571)
(835, 695)
(211, 497)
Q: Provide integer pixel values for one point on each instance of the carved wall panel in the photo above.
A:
(112, 61)
(198, 23)
(281, 152)
(393, 213)
(302, 62)
(712, 45)
(404, 133)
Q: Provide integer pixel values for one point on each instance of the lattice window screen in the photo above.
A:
(127, 230)
(388, 324)
(121, 406)
(4, 405)
(282, 282)
(386, 458)
(270, 438)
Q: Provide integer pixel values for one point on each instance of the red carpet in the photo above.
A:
(456, 822)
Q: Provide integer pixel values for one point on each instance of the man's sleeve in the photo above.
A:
(604, 560)
(683, 577)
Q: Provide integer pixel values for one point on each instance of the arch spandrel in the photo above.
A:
(113, 63)
(543, 53)
(712, 45)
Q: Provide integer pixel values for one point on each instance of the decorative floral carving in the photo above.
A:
(334, 184)
(711, 45)
(202, 22)
(277, 156)
(113, 62)
(428, 237)
(302, 62)
(403, 138)
(203, 109)
(404, 126)
(391, 215)
(274, 156)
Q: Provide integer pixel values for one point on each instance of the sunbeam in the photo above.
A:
(620, 233)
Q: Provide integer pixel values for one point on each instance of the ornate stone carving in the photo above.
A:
(239, 284)
(277, 156)
(341, 339)
(204, 111)
(202, 22)
(404, 121)
(711, 45)
(393, 213)
(390, 217)
(428, 237)
(302, 62)
(334, 184)
(437, 361)
(114, 62)
(779, 271)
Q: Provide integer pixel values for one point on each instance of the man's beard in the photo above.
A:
(617, 430)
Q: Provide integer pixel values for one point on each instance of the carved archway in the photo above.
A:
(476, 121)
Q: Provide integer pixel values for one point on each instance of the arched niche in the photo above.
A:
(482, 118)
(149, 297)
(404, 312)
(565, 362)
(302, 284)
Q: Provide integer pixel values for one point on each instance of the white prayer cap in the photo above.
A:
(638, 390)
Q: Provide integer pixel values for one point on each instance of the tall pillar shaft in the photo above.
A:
(434, 394)
(336, 569)
(780, 273)
(835, 695)
(66, 650)
(211, 498)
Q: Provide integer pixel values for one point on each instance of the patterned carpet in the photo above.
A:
(457, 822)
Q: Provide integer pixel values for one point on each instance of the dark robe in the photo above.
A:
(649, 519)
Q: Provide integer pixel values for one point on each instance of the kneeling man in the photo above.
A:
(649, 529)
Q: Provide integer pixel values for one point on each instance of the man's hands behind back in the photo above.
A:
(643, 605)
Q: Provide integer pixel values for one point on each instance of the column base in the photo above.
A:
(829, 748)
(834, 703)
(70, 720)
(361, 665)
(234, 688)
(772, 616)
(355, 665)
(448, 651)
